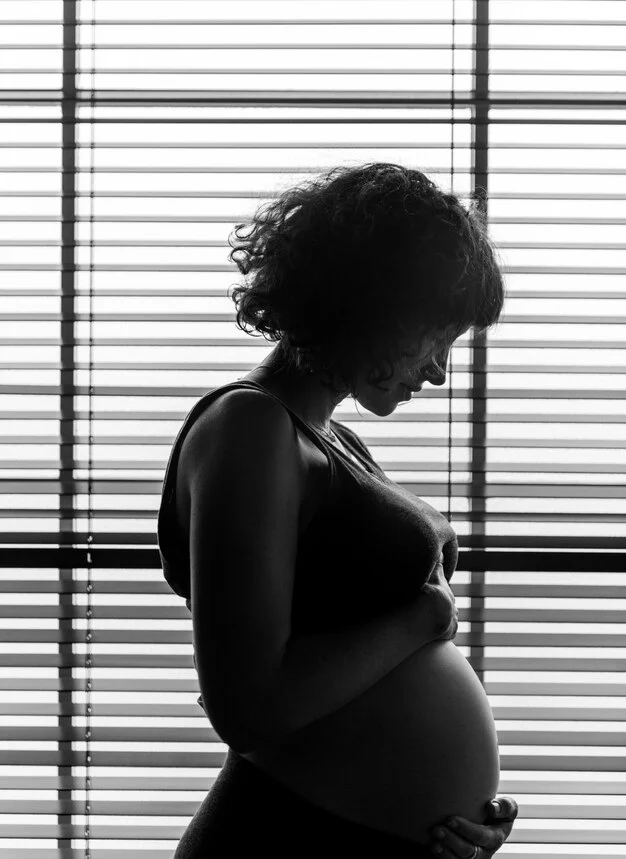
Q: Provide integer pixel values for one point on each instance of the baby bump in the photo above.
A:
(438, 752)
(418, 746)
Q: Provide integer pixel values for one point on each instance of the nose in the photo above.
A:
(435, 372)
(438, 378)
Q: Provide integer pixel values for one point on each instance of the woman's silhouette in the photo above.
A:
(323, 618)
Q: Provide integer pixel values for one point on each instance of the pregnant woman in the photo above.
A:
(323, 618)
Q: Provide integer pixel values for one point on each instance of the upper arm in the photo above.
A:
(245, 494)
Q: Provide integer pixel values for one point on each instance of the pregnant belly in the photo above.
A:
(418, 746)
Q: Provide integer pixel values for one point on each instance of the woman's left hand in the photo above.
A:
(460, 842)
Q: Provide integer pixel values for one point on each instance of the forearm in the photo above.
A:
(322, 672)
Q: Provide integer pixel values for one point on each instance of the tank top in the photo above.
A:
(369, 547)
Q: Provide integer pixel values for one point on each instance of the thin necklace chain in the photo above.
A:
(329, 434)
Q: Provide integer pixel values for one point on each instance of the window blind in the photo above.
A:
(135, 135)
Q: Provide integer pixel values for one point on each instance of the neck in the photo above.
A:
(303, 393)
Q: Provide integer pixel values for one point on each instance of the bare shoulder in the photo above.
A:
(242, 424)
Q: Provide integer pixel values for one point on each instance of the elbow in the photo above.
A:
(241, 741)
(246, 744)
(245, 727)
(243, 737)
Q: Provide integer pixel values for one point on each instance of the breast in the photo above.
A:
(418, 746)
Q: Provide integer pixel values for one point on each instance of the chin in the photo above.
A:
(380, 407)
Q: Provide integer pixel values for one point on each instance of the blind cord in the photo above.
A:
(89, 612)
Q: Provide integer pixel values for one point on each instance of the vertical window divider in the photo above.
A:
(478, 363)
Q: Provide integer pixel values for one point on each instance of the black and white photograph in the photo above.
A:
(313, 429)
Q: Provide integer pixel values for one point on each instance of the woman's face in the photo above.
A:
(427, 365)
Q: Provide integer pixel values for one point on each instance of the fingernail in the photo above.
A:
(452, 824)
(437, 848)
(496, 806)
(439, 833)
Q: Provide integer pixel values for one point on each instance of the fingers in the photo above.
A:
(502, 808)
(458, 841)
(454, 846)
(488, 836)
(448, 853)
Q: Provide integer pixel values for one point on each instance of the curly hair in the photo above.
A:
(347, 271)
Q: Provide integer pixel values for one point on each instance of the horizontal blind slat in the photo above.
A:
(582, 687)
(475, 615)
(462, 639)
(182, 808)
(586, 740)
(546, 590)
(479, 662)
(200, 759)
(529, 711)
(595, 785)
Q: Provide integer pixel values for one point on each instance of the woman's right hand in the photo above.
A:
(442, 611)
